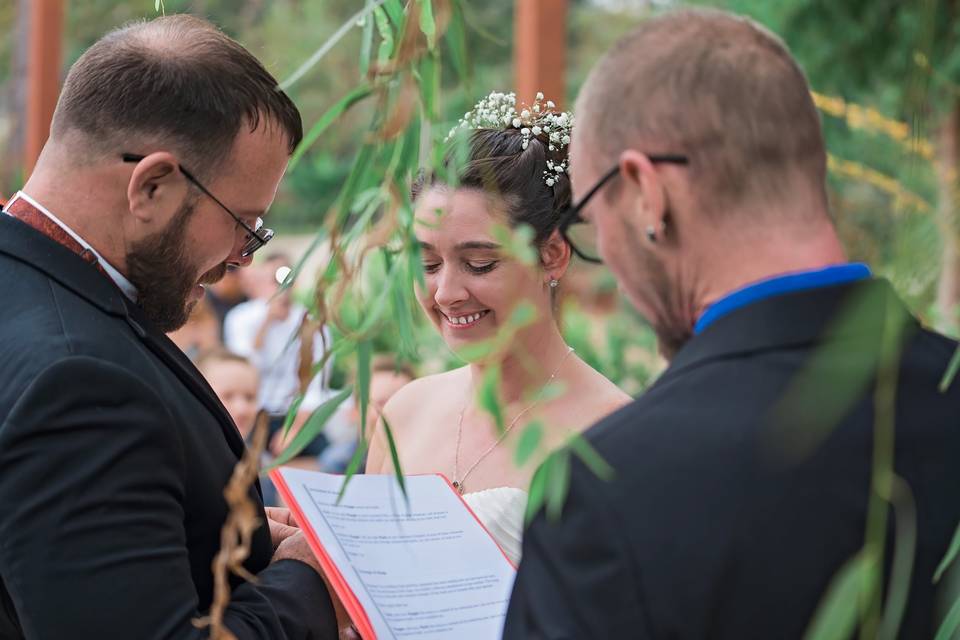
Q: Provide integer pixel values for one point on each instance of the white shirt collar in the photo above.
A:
(121, 281)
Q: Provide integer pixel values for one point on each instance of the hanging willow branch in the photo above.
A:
(237, 532)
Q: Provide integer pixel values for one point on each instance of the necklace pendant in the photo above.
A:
(458, 487)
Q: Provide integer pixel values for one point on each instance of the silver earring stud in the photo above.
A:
(651, 233)
(554, 283)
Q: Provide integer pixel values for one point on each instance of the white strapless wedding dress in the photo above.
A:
(501, 511)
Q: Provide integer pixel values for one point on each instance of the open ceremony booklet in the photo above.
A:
(423, 568)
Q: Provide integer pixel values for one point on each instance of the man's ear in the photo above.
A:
(555, 256)
(642, 181)
(156, 189)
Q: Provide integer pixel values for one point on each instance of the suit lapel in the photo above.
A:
(184, 369)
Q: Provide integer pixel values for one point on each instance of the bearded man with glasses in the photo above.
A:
(166, 149)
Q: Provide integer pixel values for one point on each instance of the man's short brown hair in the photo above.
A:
(717, 88)
(176, 81)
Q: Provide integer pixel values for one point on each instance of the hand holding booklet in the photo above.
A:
(416, 567)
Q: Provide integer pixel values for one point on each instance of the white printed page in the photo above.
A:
(423, 569)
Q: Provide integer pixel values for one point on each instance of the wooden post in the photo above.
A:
(43, 75)
(540, 49)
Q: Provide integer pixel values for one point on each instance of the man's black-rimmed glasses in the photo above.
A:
(571, 217)
(256, 237)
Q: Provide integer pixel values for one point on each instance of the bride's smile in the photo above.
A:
(467, 321)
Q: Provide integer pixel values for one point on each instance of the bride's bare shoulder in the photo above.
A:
(429, 393)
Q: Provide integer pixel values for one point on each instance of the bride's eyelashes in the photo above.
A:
(474, 268)
(480, 269)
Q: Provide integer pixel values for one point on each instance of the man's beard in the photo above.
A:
(159, 268)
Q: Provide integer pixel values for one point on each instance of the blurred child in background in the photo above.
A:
(236, 382)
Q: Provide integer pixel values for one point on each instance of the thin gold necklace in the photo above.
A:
(458, 484)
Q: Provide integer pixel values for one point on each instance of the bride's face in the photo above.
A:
(472, 284)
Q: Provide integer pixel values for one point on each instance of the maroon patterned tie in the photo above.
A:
(30, 215)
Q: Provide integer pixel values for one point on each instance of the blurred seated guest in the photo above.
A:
(236, 382)
(265, 330)
(200, 334)
(387, 376)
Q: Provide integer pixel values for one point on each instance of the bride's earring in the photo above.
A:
(554, 283)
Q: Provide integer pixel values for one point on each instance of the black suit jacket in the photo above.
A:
(114, 454)
(742, 478)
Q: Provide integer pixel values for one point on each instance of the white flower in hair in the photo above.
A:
(499, 110)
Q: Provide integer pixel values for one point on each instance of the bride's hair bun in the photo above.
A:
(519, 155)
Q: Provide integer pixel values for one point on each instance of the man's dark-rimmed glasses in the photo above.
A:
(572, 217)
(256, 238)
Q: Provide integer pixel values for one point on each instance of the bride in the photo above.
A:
(515, 175)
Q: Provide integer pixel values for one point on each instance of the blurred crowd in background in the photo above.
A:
(246, 337)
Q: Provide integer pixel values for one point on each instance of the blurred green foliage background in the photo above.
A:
(896, 58)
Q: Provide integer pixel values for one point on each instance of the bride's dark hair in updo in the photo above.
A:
(498, 164)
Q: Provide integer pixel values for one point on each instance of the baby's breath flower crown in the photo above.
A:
(538, 120)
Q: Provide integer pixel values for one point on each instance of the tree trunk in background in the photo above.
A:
(948, 214)
(17, 101)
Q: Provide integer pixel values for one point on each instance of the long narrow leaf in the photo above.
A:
(376, 311)
(328, 119)
(354, 183)
(395, 457)
(364, 351)
(951, 373)
(427, 24)
(905, 547)
(430, 84)
(836, 615)
(949, 557)
(358, 459)
(558, 481)
(292, 413)
(366, 42)
(400, 294)
(589, 456)
(291, 278)
(415, 264)
(948, 628)
(538, 487)
(488, 396)
(387, 38)
(394, 9)
(529, 441)
(408, 164)
(328, 45)
(311, 428)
